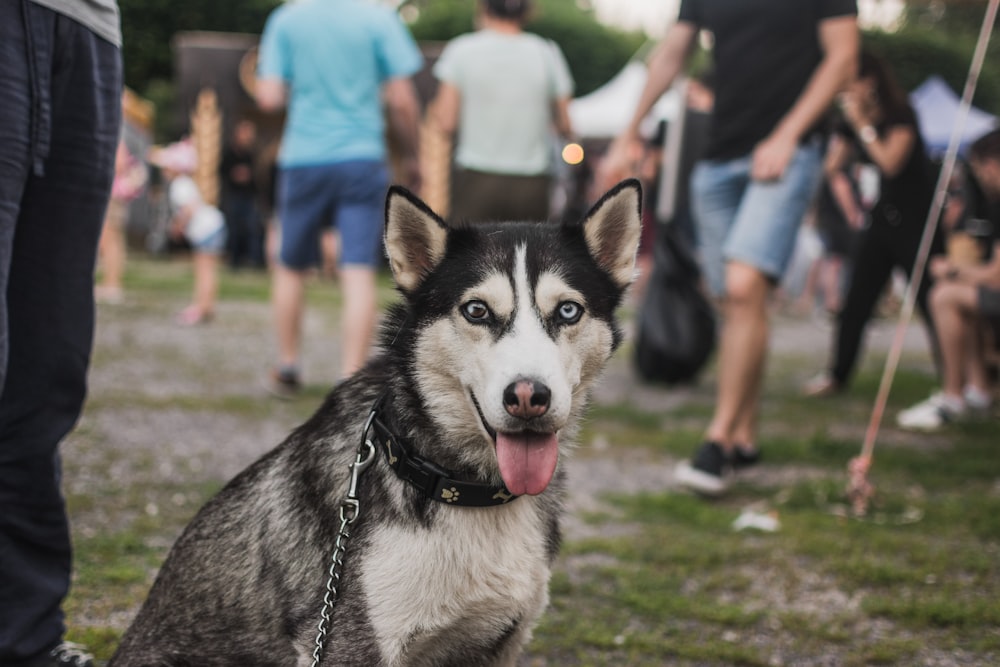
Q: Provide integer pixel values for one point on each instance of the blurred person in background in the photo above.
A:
(238, 177)
(881, 128)
(965, 301)
(502, 91)
(194, 220)
(778, 64)
(333, 64)
(130, 179)
(60, 119)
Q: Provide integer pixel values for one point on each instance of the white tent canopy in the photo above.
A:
(937, 106)
(605, 112)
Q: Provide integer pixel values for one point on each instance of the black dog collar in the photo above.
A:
(431, 479)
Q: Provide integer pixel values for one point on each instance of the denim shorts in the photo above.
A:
(349, 196)
(754, 222)
(213, 244)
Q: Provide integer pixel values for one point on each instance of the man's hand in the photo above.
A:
(771, 157)
(939, 267)
(620, 162)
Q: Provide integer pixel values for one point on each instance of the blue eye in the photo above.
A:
(476, 312)
(569, 312)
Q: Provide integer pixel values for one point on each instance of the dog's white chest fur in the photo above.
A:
(475, 572)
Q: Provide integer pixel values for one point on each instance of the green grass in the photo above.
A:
(663, 578)
(924, 561)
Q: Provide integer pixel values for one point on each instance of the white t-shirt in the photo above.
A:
(508, 84)
(205, 220)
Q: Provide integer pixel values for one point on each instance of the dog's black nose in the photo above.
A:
(527, 399)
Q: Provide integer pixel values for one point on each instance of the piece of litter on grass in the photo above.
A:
(752, 519)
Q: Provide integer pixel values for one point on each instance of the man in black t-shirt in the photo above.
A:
(778, 66)
(962, 299)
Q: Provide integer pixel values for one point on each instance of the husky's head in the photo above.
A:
(510, 324)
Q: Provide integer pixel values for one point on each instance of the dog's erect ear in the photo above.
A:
(415, 237)
(612, 230)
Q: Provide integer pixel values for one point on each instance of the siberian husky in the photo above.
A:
(447, 524)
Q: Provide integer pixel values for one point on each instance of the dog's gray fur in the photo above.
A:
(424, 583)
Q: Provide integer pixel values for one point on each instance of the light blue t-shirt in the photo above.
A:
(334, 56)
(508, 84)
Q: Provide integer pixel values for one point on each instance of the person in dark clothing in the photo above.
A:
(244, 230)
(60, 122)
(881, 123)
(965, 300)
(778, 65)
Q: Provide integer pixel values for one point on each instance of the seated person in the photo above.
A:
(964, 298)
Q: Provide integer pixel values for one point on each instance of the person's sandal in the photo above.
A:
(820, 386)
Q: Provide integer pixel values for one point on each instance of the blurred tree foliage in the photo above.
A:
(148, 26)
(916, 53)
(939, 37)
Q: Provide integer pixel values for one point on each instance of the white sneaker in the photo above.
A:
(977, 400)
(933, 413)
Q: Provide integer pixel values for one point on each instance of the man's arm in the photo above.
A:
(271, 94)
(446, 107)
(988, 274)
(838, 153)
(560, 116)
(839, 39)
(664, 64)
(403, 106)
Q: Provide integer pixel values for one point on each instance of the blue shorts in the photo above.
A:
(753, 222)
(349, 196)
(213, 244)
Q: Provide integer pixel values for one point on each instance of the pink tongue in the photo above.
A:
(527, 461)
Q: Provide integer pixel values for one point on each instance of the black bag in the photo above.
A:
(676, 329)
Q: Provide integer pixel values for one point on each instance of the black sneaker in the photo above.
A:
(743, 456)
(66, 654)
(283, 383)
(704, 473)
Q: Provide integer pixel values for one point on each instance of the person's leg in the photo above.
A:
(49, 308)
(954, 307)
(304, 205)
(246, 250)
(830, 273)
(360, 209)
(112, 252)
(872, 268)
(287, 306)
(716, 191)
(758, 249)
(357, 321)
(954, 310)
(978, 378)
(742, 354)
(206, 282)
(232, 217)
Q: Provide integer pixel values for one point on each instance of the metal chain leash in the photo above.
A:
(349, 511)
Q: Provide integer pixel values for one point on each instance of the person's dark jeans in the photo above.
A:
(880, 248)
(244, 232)
(60, 113)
